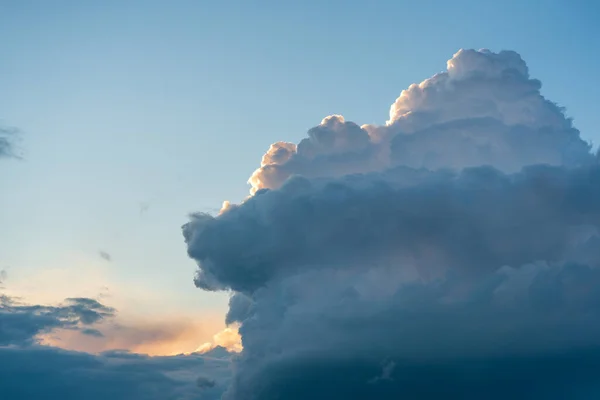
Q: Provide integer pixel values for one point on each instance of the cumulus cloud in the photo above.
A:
(443, 254)
(484, 110)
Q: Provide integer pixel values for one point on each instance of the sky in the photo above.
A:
(132, 115)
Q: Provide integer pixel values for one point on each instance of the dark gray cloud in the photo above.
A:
(473, 221)
(334, 268)
(38, 372)
(20, 323)
(204, 382)
(452, 253)
(552, 376)
(92, 332)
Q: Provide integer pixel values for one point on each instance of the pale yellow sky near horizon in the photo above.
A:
(145, 322)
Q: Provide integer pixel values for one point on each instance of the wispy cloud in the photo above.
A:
(105, 255)
(8, 138)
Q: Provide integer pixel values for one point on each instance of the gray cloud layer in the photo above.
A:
(40, 372)
(443, 254)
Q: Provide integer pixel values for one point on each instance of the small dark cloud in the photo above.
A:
(203, 382)
(143, 207)
(92, 332)
(105, 256)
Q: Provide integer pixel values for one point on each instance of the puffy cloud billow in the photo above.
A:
(485, 110)
(453, 252)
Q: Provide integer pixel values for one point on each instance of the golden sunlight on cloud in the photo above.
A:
(226, 205)
(228, 338)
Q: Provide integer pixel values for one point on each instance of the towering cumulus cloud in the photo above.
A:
(452, 253)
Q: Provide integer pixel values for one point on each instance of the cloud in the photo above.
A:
(43, 372)
(105, 256)
(484, 110)
(20, 323)
(442, 254)
(8, 137)
(204, 382)
(3, 277)
(228, 339)
(144, 206)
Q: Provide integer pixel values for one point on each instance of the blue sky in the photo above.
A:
(172, 104)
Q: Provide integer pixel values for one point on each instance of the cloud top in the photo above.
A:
(484, 110)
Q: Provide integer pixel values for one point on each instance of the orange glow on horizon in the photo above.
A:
(169, 337)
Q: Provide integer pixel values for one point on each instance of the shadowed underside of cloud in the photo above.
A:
(444, 254)
(40, 372)
(549, 376)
